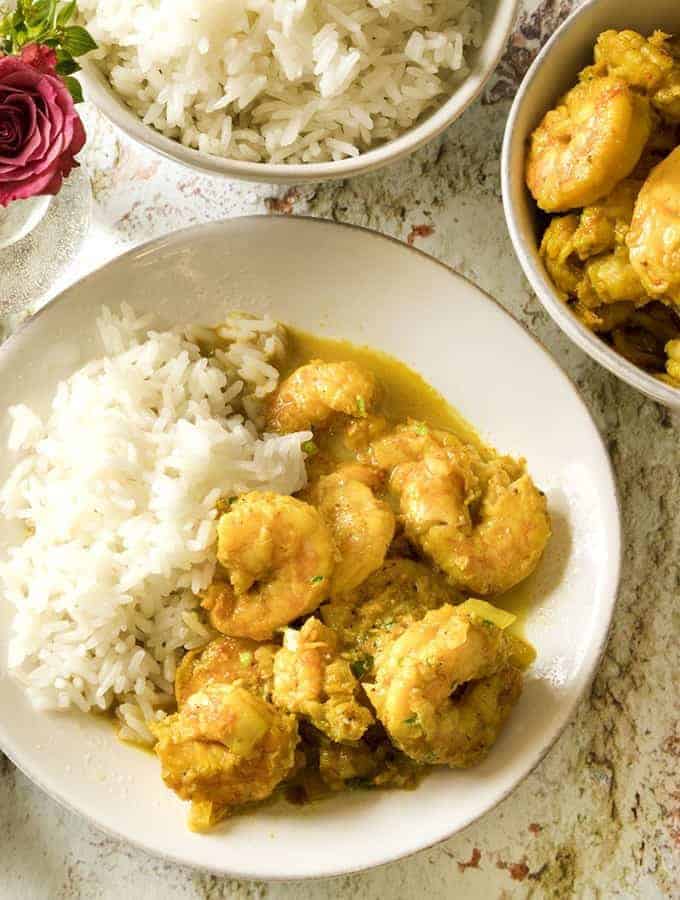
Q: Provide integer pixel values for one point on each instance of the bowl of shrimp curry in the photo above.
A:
(591, 171)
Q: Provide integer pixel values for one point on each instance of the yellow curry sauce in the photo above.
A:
(406, 394)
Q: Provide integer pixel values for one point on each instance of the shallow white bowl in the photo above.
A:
(354, 284)
(552, 73)
(499, 16)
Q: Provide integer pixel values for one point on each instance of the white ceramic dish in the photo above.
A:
(552, 73)
(499, 17)
(351, 283)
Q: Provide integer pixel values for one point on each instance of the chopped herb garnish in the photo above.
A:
(232, 500)
(245, 658)
(421, 428)
(316, 580)
(310, 448)
(361, 405)
(361, 667)
(411, 720)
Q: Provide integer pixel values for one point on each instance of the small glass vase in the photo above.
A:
(20, 218)
(37, 252)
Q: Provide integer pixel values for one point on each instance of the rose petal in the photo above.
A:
(11, 131)
(47, 183)
(26, 78)
(26, 109)
(40, 57)
(79, 135)
(49, 93)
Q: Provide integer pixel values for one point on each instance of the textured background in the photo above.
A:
(600, 817)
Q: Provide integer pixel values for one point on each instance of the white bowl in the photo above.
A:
(401, 301)
(499, 16)
(553, 72)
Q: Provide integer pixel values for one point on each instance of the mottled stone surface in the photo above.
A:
(600, 817)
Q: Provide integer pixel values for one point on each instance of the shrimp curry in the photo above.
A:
(606, 159)
(356, 641)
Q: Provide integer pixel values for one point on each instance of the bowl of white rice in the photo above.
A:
(290, 90)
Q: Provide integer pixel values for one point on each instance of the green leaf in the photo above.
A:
(74, 88)
(67, 67)
(41, 12)
(44, 22)
(78, 41)
(66, 13)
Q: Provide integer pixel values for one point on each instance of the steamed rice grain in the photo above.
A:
(283, 81)
(116, 489)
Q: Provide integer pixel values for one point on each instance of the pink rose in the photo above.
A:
(40, 130)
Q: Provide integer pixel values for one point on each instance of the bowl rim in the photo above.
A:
(582, 336)
(99, 92)
(614, 576)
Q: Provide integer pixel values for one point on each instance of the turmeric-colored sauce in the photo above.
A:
(406, 394)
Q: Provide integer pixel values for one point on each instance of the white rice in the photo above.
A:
(117, 491)
(283, 80)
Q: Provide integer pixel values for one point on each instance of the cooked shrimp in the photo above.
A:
(603, 226)
(359, 433)
(646, 64)
(225, 747)
(558, 252)
(610, 278)
(413, 442)
(227, 660)
(312, 679)
(278, 556)
(482, 522)
(569, 240)
(395, 596)
(654, 236)
(362, 525)
(591, 141)
(640, 62)
(317, 392)
(445, 687)
(673, 361)
(496, 547)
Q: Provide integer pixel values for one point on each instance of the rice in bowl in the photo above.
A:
(117, 491)
(283, 81)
